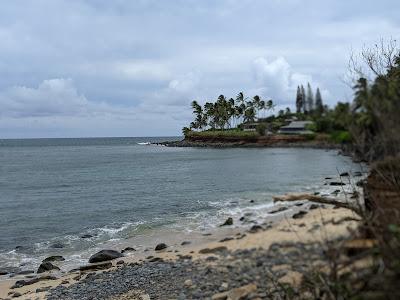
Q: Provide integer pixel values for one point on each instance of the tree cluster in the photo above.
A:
(225, 113)
(306, 102)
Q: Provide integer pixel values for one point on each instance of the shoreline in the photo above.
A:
(278, 228)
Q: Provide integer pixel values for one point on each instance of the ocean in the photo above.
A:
(53, 192)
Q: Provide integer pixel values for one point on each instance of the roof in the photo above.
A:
(297, 125)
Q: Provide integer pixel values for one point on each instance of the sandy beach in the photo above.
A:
(301, 223)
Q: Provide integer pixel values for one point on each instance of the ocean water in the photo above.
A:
(53, 191)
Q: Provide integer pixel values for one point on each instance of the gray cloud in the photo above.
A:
(68, 67)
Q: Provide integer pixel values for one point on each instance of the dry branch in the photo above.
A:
(316, 199)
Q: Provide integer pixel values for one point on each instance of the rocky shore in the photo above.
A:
(217, 143)
(255, 262)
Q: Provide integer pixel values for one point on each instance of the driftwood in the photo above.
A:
(316, 199)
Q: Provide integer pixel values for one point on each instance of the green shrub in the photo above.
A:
(260, 128)
(341, 137)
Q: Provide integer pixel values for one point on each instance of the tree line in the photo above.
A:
(306, 102)
(227, 113)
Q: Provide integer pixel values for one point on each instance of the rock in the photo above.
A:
(335, 183)
(357, 174)
(228, 222)
(299, 215)
(21, 283)
(160, 246)
(95, 267)
(57, 245)
(213, 250)
(25, 272)
(237, 293)
(335, 192)
(252, 201)
(344, 174)
(292, 278)
(16, 294)
(280, 209)
(104, 255)
(226, 239)
(184, 243)
(313, 206)
(43, 289)
(211, 258)
(54, 258)
(128, 249)
(86, 236)
(188, 283)
(120, 262)
(46, 266)
(155, 259)
(255, 228)
(328, 178)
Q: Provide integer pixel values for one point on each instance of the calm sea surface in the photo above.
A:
(53, 191)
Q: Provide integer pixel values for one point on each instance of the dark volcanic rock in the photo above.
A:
(86, 236)
(313, 206)
(280, 209)
(299, 215)
(185, 243)
(228, 222)
(46, 266)
(104, 255)
(344, 174)
(213, 250)
(54, 258)
(128, 249)
(255, 228)
(160, 246)
(57, 245)
(335, 183)
(95, 267)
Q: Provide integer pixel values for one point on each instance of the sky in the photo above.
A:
(86, 68)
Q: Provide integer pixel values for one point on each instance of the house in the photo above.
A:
(296, 127)
(249, 126)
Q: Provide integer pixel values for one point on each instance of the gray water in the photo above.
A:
(52, 191)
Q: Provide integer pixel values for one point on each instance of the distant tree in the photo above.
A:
(310, 98)
(287, 111)
(303, 99)
(319, 106)
(299, 103)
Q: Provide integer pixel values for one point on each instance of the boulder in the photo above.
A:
(160, 246)
(46, 266)
(228, 222)
(54, 258)
(344, 174)
(104, 255)
(128, 249)
(299, 215)
(255, 228)
(184, 243)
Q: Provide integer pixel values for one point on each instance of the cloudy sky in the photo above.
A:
(131, 68)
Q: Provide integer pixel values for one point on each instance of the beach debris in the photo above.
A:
(316, 199)
(54, 258)
(160, 246)
(46, 266)
(128, 249)
(213, 250)
(104, 255)
(228, 222)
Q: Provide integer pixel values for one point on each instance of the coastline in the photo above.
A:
(279, 228)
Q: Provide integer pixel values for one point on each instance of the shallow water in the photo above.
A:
(53, 191)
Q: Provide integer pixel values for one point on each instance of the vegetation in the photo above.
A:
(227, 113)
